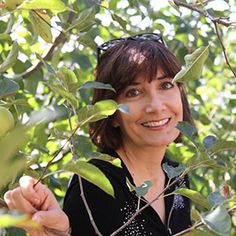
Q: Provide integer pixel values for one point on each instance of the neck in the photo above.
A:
(143, 163)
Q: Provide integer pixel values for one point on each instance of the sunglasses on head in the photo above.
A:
(139, 37)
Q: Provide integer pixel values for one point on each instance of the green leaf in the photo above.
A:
(121, 21)
(194, 196)
(173, 171)
(216, 199)
(218, 220)
(96, 85)
(7, 220)
(68, 79)
(194, 65)
(11, 58)
(60, 90)
(8, 87)
(42, 24)
(195, 215)
(91, 173)
(85, 20)
(141, 190)
(87, 41)
(105, 157)
(197, 232)
(6, 37)
(100, 110)
(14, 218)
(200, 161)
(187, 129)
(9, 145)
(53, 5)
(209, 141)
(222, 146)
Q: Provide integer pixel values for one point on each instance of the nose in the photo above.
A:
(155, 103)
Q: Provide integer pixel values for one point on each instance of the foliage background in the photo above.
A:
(69, 39)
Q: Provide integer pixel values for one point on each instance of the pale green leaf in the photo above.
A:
(173, 171)
(105, 157)
(87, 41)
(96, 85)
(216, 199)
(9, 145)
(187, 129)
(194, 65)
(141, 190)
(200, 161)
(98, 111)
(91, 173)
(194, 196)
(218, 220)
(14, 218)
(68, 79)
(6, 37)
(85, 20)
(8, 87)
(11, 58)
(195, 215)
(42, 23)
(60, 90)
(53, 5)
(197, 232)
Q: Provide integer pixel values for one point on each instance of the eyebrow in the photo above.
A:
(162, 77)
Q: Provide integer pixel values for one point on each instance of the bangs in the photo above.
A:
(141, 59)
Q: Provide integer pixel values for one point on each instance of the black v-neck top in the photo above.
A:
(110, 213)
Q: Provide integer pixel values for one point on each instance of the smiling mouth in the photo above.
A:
(156, 123)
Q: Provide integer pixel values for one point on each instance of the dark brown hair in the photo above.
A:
(119, 66)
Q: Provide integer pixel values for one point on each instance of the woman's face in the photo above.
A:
(155, 108)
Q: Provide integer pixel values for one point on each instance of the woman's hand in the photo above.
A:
(39, 202)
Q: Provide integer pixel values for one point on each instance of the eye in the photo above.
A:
(167, 85)
(133, 92)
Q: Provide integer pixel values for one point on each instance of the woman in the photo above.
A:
(141, 69)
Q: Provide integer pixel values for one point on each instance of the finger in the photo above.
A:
(27, 188)
(15, 200)
(54, 218)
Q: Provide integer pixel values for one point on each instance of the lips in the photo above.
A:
(158, 123)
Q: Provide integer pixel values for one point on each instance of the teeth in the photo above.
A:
(155, 123)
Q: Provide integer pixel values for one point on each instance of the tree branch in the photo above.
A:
(216, 22)
(61, 38)
(87, 207)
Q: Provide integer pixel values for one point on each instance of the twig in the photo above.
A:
(215, 21)
(223, 47)
(59, 40)
(55, 155)
(87, 207)
(189, 229)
